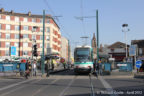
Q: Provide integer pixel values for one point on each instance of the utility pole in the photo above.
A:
(43, 57)
(125, 30)
(19, 37)
(68, 52)
(97, 35)
(97, 30)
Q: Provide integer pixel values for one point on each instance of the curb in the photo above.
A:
(139, 75)
(38, 76)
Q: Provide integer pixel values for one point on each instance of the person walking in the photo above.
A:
(28, 69)
(34, 68)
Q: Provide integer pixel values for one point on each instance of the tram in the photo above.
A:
(83, 59)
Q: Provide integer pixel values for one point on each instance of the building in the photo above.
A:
(64, 48)
(23, 30)
(140, 46)
(117, 51)
(94, 46)
(139, 51)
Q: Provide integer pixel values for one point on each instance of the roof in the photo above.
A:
(140, 43)
(117, 45)
(26, 15)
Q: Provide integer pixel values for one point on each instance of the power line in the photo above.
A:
(47, 4)
(83, 25)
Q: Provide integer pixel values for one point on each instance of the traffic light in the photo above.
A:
(35, 50)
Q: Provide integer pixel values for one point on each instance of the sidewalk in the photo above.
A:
(139, 75)
(39, 74)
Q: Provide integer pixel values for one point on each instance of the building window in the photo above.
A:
(7, 36)
(34, 37)
(41, 37)
(48, 45)
(25, 27)
(25, 52)
(40, 53)
(16, 36)
(17, 28)
(0, 35)
(7, 27)
(48, 29)
(7, 44)
(17, 19)
(25, 36)
(41, 45)
(8, 18)
(25, 44)
(41, 20)
(47, 38)
(34, 28)
(25, 19)
(0, 26)
(16, 44)
(7, 53)
(41, 29)
(34, 20)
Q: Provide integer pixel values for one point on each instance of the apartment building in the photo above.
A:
(23, 30)
(64, 48)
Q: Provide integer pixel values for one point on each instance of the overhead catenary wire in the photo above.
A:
(82, 13)
(50, 9)
(56, 17)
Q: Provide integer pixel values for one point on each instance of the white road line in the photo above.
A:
(107, 86)
(42, 88)
(92, 87)
(13, 85)
(17, 89)
(63, 92)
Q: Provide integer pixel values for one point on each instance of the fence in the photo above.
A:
(12, 67)
(125, 66)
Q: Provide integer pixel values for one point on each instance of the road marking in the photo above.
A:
(42, 88)
(107, 86)
(17, 88)
(92, 88)
(13, 85)
(63, 92)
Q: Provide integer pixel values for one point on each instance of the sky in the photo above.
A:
(112, 14)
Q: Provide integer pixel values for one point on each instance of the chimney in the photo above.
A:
(2, 9)
(12, 11)
(29, 13)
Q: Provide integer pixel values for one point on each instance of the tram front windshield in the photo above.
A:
(82, 55)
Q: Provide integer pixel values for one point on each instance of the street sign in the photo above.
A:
(132, 50)
(121, 64)
(13, 51)
(138, 63)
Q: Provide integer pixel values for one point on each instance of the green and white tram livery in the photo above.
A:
(83, 57)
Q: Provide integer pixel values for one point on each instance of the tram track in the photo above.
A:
(91, 86)
(69, 85)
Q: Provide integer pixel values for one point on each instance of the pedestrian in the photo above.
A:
(28, 69)
(34, 68)
(95, 69)
(47, 68)
(100, 68)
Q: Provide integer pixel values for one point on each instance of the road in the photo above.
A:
(67, 84)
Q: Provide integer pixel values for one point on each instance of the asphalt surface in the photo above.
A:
(66, 83)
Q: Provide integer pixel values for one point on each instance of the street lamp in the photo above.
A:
(125, 29)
